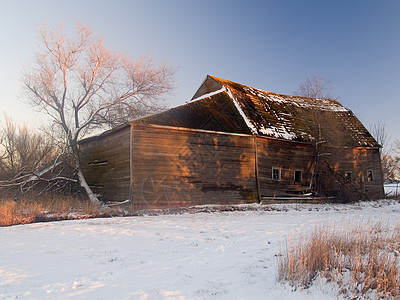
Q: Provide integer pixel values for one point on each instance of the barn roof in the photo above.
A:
(224, 105)
(216, 112)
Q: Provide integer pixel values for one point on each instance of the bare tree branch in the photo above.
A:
(379, 132)
(82, 85)
(23, 150)
(315, 87)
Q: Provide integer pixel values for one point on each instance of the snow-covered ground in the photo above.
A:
(228, 255)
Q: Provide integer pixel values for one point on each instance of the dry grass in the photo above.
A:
(361, 260)
(50, 208)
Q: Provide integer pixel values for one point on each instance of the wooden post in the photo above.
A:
(131, 163)
(256, 169)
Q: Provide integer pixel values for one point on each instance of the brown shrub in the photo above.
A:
(11, 213)
(50, 207)
(368, 253)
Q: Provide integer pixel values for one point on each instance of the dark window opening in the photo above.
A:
(98, 162)
(96, 186)
(370, 176)
(276, 174)
(297, 176)
(347, 177)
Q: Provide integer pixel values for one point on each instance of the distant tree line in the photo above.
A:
(23, 150)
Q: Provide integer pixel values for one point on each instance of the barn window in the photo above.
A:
(347, 176)
(96, 186)
(297, 176)
(276, 173)
(98, 162)
(370, 177)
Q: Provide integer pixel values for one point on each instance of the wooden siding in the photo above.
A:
(180, 167)
(291, 156)
(106, 165)
(160, 165)
(288, 157)
(358, 161)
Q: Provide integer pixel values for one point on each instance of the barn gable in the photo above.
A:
(214, 112)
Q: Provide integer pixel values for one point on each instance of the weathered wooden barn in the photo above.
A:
(233, 144)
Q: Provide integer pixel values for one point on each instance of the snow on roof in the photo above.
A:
(209, 94)
(294, 117)
(315, 103)
(243, 115)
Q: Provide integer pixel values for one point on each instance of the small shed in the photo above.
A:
(236, 144)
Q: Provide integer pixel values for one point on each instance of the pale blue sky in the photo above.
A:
(271, 45)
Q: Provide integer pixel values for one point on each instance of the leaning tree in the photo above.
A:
(82, 85)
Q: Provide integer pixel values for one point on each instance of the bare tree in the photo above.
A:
(390, 166)
(22, 150)
(315, 87)
(82, 85)
(396, 160)
(325, 181)
(389, 158)
(379, 132)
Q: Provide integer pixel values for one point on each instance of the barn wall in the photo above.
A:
(106, 164)
(359, 162)
(288, 157)
(180, 167)
(291, 156)
(176, 167)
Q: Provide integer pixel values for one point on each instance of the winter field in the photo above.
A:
(206, 255)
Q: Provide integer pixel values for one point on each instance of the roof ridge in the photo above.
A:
(222, 81)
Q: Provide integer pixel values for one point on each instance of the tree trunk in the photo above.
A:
(82, 182)
(81, 179)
